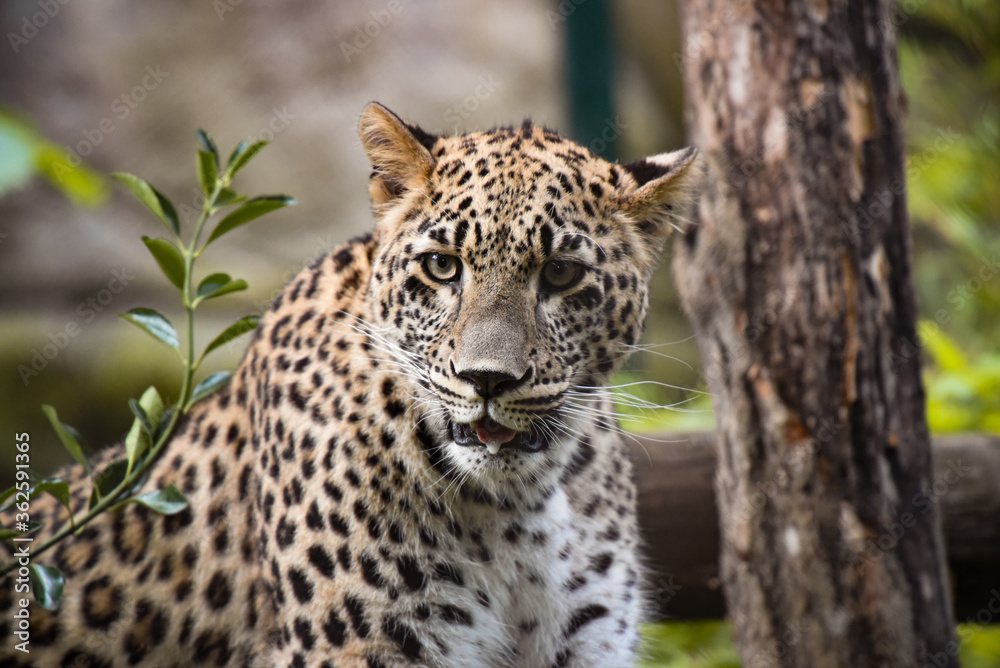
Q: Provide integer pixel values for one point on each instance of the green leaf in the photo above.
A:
(245, 324)
(217, 285)
(155, 324)
(238, 150)
(140, 414)
(107, 479)
(69, 437)
(58, 488)
(154, 200)
(7, 534)
(250, 210)
(209, 146)
(226, 197)
(208, 172)
(137, 442)
(47, 583)
(208, 386)
(235, 285)
(152, 403)
(211, 283)
(7, 493)
(169, 257)
(167, 501)
(148, 412)
(242, 154)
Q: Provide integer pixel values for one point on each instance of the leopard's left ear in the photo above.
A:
(399, 153)
(664, 182)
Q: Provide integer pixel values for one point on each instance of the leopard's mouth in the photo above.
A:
(495, 437)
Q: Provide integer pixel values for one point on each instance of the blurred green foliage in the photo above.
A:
(26, 154)
(950, 65)
(963, 392)
(707, 644)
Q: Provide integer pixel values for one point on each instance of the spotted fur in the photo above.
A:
(344, 510)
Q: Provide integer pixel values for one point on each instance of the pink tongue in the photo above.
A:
(488, 430)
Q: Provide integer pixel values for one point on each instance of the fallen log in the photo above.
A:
(677, 512)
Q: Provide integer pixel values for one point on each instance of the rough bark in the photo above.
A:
(680, 521)
(797, 279)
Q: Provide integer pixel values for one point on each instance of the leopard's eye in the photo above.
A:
(559, 275)
(441, 267)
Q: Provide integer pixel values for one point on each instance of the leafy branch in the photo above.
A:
(155, 422)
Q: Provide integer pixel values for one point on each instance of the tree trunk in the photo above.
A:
(797, 279)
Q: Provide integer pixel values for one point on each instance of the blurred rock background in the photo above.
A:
(123, 86)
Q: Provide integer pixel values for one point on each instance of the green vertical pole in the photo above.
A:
(589, 73)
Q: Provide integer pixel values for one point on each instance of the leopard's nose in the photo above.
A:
(490, 383)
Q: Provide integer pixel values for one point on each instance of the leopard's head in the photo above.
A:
(510, 280)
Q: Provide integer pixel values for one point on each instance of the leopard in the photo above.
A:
(417, 461)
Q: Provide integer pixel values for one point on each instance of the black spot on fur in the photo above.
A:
(545, 235)
(410, 571)
(449, 573)
(356, 611)
(415, 288)
(460, 233)
(553, 214)
(218, 591)
(434, 453)
(456, 615)
(394, 408)
(582, 458)
(301, 586)
(101, 603)
(602, 562)
(339, 524)
(303, 629)
(583, 616)
(370, 571)
(404, 636)
(587, 298)
(321, 560)
(344, 557)
(342, 258)
(314, 520)
(285, 533)
(334, 629)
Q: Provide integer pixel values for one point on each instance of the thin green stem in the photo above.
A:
(190, 255)
(190, 366)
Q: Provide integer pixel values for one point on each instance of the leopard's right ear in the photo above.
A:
(399, 152)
